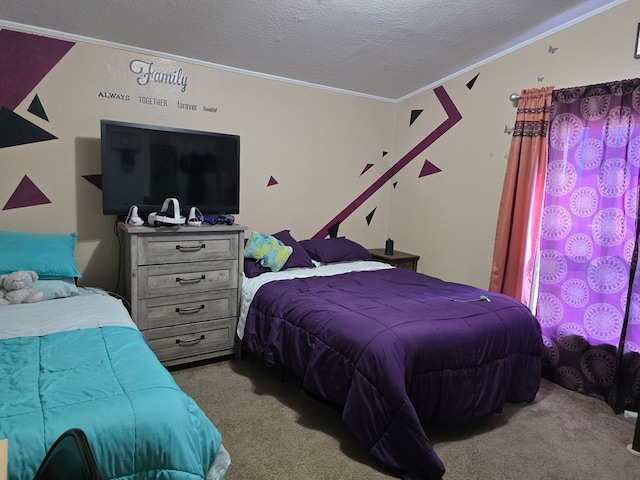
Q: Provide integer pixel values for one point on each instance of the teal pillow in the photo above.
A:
(49, 255)
(62, 288)
(270, 251)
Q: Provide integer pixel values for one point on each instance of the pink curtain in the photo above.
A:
(520, 206)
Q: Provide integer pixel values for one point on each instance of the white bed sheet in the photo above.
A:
(62, 314)
(251, 285)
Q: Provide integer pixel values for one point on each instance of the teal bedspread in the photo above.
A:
(107, 382)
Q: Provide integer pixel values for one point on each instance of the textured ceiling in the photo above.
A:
(382, 48)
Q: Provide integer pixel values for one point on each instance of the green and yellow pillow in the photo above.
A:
(268, 250)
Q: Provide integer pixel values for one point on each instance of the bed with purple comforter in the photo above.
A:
(398, 350)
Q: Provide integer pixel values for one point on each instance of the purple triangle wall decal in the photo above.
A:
(428, 169)
(95, 180)
(26, 195)
(366, 167)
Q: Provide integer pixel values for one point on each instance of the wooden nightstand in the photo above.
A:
(398, 259)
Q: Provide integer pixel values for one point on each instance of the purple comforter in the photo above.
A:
(398, 350)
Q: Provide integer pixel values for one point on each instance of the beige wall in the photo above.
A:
(449, 218)
(316, 143)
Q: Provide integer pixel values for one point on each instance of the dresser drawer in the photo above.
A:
(162, 249)
(181, 278)
(191, 340)
(190, 308)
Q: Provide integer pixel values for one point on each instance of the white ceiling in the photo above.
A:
(382, 48)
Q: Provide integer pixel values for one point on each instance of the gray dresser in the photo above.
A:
(183, 284)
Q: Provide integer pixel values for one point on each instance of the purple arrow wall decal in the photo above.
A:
(454, 117)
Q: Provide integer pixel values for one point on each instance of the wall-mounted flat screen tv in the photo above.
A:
(143, 165)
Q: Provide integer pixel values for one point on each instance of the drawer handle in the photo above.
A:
(188, 249)
(186, 343)
(182, 281)
(189, 310)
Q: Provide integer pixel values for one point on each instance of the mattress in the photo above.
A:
(397, 351)
(80, 362)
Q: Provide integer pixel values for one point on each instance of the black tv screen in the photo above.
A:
(143, 165)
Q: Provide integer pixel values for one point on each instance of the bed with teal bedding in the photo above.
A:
(80, 362)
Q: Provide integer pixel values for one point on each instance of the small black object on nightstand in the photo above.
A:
(388, 247)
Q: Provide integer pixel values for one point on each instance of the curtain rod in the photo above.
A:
(514, 97)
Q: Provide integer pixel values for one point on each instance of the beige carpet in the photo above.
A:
(273, 430)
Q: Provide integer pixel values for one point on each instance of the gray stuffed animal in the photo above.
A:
(16, 288)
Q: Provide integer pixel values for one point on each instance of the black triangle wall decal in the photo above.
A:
(37, 109)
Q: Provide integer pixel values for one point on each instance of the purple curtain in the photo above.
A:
(589, 294)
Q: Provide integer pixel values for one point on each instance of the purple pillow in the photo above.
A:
(252, 268)
(331, 250)
(299, 257)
